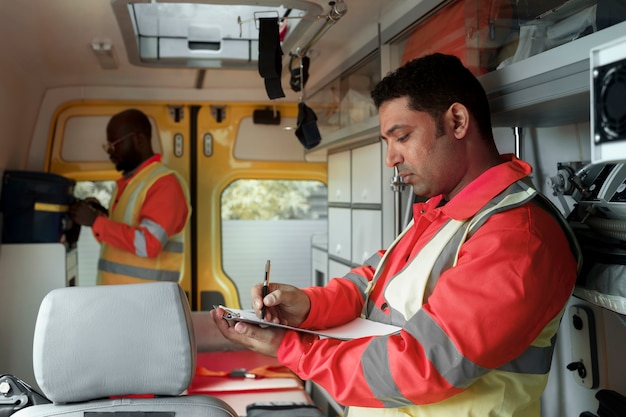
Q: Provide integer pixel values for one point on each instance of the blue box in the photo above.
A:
(35, 207)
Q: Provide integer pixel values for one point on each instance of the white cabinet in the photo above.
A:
(337, 269)
(27, 273)
(366, 174)
(366, 234)
(355, 226)
(319, 267)
(339, 236)
(339, 177)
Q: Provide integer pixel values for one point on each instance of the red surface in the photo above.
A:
(228, 361)
(233, 359)
(239, 392)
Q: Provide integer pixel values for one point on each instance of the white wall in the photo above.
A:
(19, 104)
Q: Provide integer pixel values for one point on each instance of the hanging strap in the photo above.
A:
(270, 56)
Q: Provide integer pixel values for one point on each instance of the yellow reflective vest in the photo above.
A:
(117, 266)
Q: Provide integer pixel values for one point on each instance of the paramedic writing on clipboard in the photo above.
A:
(477, 281)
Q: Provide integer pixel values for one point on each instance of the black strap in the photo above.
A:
(270, 56)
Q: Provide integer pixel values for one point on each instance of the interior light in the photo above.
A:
(104, 54)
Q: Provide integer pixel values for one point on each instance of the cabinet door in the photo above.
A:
(337, 269)
(339, 233)
(319, 267)
(366, 234)
(339, 177)
(366, 174)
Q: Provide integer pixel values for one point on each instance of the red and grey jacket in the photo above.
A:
(478, 286)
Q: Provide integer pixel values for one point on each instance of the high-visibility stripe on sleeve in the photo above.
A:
(156, 230)
(459, 371)
(140, 241)
(358, 280)
(375, 366)
(534, 360)
(361, 281)
(373, 260)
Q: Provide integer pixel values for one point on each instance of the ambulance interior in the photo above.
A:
(228, 110)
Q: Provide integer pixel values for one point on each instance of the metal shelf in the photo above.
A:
(548, 89)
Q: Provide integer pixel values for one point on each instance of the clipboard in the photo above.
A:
(357, 328)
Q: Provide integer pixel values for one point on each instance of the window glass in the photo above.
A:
(346, 100)
(275, 220)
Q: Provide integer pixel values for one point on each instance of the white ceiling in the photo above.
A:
(49, 41)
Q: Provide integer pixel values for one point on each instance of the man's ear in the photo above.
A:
(142, 140)
(460, 119)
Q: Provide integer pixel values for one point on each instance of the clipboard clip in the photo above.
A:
(228, 314)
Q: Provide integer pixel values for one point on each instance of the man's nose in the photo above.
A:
(392, 157)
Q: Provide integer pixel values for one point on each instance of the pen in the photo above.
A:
(266, 285)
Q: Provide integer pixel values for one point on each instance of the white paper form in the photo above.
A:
(355, 329)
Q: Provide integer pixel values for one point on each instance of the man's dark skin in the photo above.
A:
(128, 147)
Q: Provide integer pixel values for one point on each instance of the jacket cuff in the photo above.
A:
(314, 310)
(293, 347)
(98, 227)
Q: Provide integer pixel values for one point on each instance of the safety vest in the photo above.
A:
(513, 390)
(117, 266)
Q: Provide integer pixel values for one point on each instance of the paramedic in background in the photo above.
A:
(478, 281)
(142, 238)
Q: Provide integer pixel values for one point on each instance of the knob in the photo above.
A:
(578, 367)
(5, 388)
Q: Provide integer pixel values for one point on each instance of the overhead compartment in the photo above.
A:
(547, 89)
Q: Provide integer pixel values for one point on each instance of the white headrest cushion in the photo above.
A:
(114, 340)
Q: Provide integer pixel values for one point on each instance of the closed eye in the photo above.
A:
(403, 138)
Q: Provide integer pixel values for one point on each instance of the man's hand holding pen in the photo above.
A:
(283, 303)
(278, 303)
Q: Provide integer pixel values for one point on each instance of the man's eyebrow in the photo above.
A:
(390, 131)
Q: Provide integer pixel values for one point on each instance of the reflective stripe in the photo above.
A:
(55, 208)
(140, 244)
(459, 371)
(405, 291)
(154, 171)
(137, 272)
(155, 230)
(174, 247)
(373, 260)
(378, 376)
(535, 360)
(358, 280)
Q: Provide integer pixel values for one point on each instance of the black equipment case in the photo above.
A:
(35, 207)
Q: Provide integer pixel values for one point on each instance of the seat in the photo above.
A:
(123, 349)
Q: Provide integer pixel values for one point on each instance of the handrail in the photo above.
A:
(337, 11)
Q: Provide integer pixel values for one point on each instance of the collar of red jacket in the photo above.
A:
(489, 184)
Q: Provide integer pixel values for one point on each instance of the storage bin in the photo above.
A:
(35, 207)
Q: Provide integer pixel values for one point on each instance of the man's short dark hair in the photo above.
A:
(432, 83)
(134, 120)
